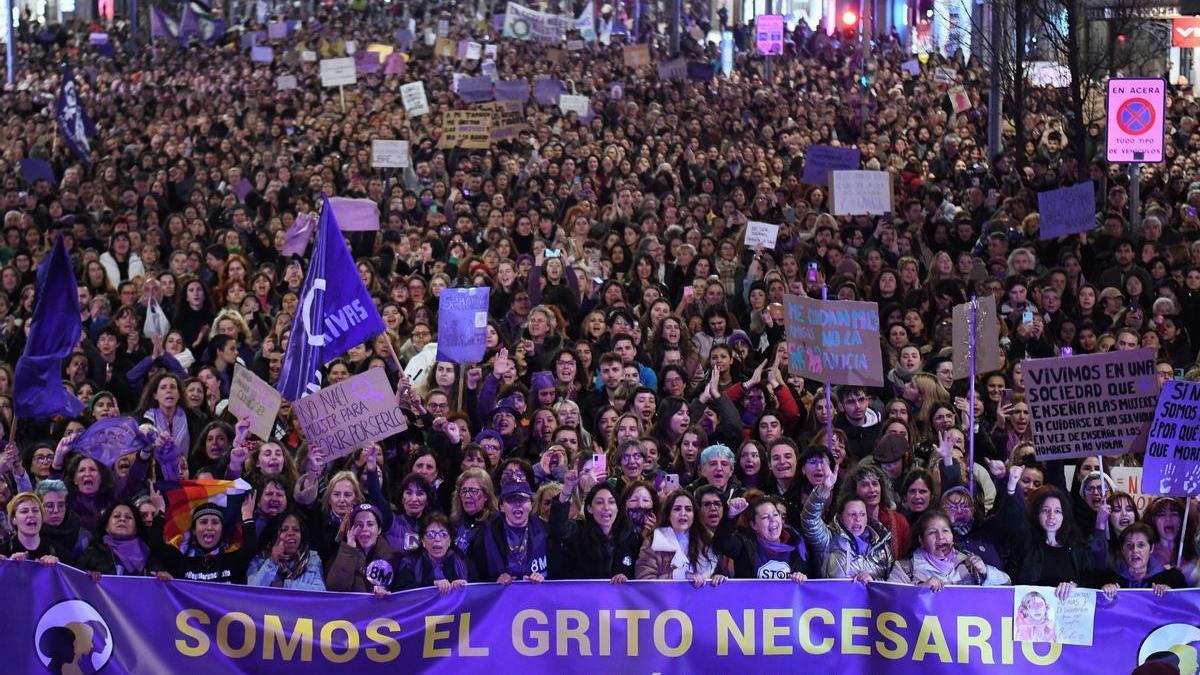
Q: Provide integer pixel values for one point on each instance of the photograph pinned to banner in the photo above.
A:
(860, 193)
(761, 233)
(987, 337)
(412, 96)
(834, 341)
(1039, 616)
(1068, 210)
(1090, 404)
(352, 413)
(386, 154)
(1172, 462)
(252, 397)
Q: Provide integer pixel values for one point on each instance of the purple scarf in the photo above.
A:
(768, 551)
(130, 553)
(944, 567)
(177, 425)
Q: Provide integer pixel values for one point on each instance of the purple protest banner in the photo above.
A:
(262, 54)
(138, 624)
(819, 160)
(769, 29)
(462, 324)
(700, 72)
(475, 89)
(1172, 465)
(1067, 210)
(834, 341)
(1090, 404)
(546, 91)
(512, 90)
(355, 215)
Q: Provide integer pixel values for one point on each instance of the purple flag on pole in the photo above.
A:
(38, 390)
(162, 25)
(73, 120)
(355, 215)
(462, 324)
(295, 240)
(336, 312)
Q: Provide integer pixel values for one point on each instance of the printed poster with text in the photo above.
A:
(1091, 404)
(834, 341)
(1172, 464)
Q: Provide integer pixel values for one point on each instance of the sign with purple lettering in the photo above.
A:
(1090, 404)
(834, 341)
(352, 413)
(769, 34)
(1172, 465)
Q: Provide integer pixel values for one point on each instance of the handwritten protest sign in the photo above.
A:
(1091, 404)
(836, 342)
(1067, 210)
(470, 129)
(769, 33)
(338, 72)
(636, 56)
(857, 193)
(462, 324)
(285, 82)
(577, 104)
(1039, 616)
(412, 95)
(819, 160)
(508, 119)
(761, 233)
(987, 337)
(389, 154)
(445, 48)
(1172, 465)
(351, 413)
(251, 397)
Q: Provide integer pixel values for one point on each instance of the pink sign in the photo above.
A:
(769, 29)
(1135, 120)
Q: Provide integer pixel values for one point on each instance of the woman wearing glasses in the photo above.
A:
(438, 562)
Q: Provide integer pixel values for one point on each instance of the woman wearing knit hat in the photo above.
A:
(206, 555)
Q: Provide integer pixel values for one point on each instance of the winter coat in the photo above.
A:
(661, 558)
(842, 560)
(586, 554)
(222, 566)
(359, 571)
(915, 570)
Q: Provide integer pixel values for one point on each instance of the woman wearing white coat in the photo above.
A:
(682, 549)
(120, 262)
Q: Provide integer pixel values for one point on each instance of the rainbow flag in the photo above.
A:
(183, 496)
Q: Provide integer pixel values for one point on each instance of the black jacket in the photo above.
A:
(224, 567)
(586, 552)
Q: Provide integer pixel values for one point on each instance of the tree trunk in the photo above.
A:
(1078, 129)
(1018, 75)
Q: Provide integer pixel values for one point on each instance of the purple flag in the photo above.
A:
(547, 90)
(38, 390)
(295, 240)
(462, 324)
(367, 62)
(395, 65)
(162, 25)
(107, 440)
(336, 311)
(73, 120)
(512, 90)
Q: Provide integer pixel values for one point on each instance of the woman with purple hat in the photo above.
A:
(513, 546)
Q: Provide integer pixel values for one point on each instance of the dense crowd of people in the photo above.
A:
(634, 416)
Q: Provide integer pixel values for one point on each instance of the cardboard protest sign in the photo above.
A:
(445, 48)
(338, 72)
(1039, 616)
(350, 414)
(285, 82)
(251, 397)
(556, 57)
(761, 233)
(819, 160)
(1091, 404)
(469, 129)
(636, 56)
(355, 215)
(383, 50)
(834, 341)
(987, 337)
(389, 154)
(857, 193)
(675, 69)
(579, 105)
(462, 324)
(412, 95)
(508, 119)
(1172, 465)
(1067, 210)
